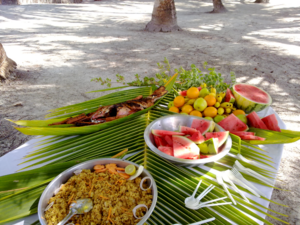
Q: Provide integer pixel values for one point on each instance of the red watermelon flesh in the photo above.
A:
(169, 140)
(229, 96)
(165, 132)
(205, 156)
(167, 150)
(187, 130)
(271, 122)
(196, 157)
(242, 133)
(232, 123)
(255, 121)
(201, 125)
(197, 137)
(252, 137)
(184, 148)
(159, 141)
(222, 136)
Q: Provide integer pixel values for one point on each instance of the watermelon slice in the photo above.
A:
(250, 98)
(187, 130)
(159, 141)
(169, 140)
(255, 121)
(271, 122)
(161, 133)
(229, 96)
(184, 148)
(252, 137)
(210, 146)
(197, 137)
(202, 125)
(222, 136)
(242, 133)
(232, 123)
(166, 150)
(205, 156)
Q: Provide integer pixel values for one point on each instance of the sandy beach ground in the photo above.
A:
(59, 48)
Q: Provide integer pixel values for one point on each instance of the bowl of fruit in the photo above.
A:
(187, 140)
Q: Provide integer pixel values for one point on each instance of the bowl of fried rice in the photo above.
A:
(117, 197)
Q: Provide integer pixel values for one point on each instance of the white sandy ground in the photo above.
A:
(60, 48)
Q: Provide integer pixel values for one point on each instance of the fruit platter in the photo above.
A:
(186, 129)
(187, 140)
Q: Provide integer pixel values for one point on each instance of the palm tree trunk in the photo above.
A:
(262, 1)
(163, 17)
(218, 7)
(6, 64)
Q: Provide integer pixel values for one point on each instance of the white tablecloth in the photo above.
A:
(9, 164)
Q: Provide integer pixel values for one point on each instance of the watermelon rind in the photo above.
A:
(222, 136)
(209, 146)
(184, 148)
(248, 105)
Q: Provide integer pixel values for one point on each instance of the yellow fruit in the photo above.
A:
(187, 109)
(179, 101)
(221, 111)
(130, 169)
(228, 110)
(196, 113)
(192, 92)
(213, 90)
(217, 105)
(211, 100)
(203, 85)
(226, 105)
(190, 102)
(186, 99)
(238, 112)
(213, 94)
(174, 109)
(210, 112)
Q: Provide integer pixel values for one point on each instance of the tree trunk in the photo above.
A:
(163, 17)
(262, 1)
(218, 7)
(6, 64)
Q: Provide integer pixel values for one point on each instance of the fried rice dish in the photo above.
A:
(114, 197)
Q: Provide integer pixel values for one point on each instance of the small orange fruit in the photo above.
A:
(179, 101)
(238, 112)
(210, 99)
(196, 113)
(192, 93)
(187, 109)
(210, 112)
(174, 109)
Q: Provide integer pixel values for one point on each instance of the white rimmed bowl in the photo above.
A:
(172, 123)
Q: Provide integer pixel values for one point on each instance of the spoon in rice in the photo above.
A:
(81, 206)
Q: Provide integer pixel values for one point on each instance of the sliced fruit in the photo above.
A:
(229, 96)
(130, 169)
(202, 125)
(169, 140)
(159, 141)
(205, 156)
(222, 136)
(242, 133)
(165, 132)
(187, 130)
(197, 137)
(252, 137)
(271, 122)
(209, 146)
(184, 148)
(250, 98)
(232, 123)
(255, 121)
(167, 150)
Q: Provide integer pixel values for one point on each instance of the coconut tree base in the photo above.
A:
(262, 1)
(154, 27)
(7, 66)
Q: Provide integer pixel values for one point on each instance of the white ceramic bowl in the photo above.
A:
(172, 123)
(64, 177)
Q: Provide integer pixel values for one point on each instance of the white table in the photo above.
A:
(9, 164)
